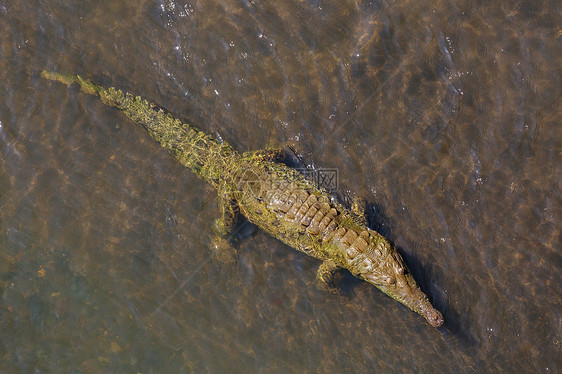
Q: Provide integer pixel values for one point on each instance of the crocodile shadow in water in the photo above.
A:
(378, 221)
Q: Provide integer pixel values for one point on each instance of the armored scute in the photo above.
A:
(277, 199)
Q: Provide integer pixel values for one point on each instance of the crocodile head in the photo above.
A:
(393, 278)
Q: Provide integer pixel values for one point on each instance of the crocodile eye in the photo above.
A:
(390, 280)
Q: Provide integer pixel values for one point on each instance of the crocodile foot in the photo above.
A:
(358, 209)
(223, 250)
(326, 277)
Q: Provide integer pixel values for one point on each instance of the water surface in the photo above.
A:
(444, 115)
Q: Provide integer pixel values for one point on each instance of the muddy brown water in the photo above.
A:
(444, 115)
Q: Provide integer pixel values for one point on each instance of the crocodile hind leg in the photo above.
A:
(223, 228)
(326, 275)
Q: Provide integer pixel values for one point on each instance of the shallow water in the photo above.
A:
(444, 115)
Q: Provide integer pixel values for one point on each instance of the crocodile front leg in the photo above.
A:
(358, 209)
(326, 274)
(223, 227)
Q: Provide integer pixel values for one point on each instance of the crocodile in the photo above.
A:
(276, 198)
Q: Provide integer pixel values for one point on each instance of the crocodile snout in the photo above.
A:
(434, 317)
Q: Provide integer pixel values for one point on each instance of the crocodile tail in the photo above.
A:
(69, 79)
(193, 148)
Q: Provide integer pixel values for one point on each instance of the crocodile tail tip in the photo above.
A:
(69, 79)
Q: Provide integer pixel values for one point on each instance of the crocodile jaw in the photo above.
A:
(392, 277)
(405, 290)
